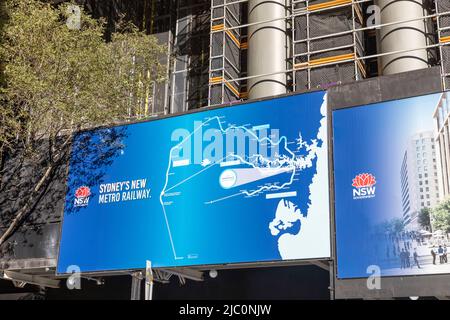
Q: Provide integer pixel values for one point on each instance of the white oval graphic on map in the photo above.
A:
(227, 179)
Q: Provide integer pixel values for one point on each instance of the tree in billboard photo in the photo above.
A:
(56, 78)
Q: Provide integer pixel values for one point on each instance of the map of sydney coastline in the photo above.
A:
(239, 184)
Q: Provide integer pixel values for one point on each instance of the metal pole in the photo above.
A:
(149, 281)
(136, 279)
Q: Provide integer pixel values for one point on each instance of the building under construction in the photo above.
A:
(232, 50)
(223, 51)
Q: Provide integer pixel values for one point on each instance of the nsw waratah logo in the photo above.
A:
(82, 196)
(364, 186)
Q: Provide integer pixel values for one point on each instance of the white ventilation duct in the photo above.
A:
(404, 36)
(267, 47)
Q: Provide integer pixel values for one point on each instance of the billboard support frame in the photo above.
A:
(332, 262)
(149, 281)
(136, 281)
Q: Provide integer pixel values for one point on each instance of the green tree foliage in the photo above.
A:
(441, 216)
(392, 226)
(57, 80)
(424, 218)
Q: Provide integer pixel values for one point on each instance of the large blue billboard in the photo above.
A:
(247, 183)
(391, 214)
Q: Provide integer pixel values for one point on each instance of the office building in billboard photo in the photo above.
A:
(441, 117)
(419, 178)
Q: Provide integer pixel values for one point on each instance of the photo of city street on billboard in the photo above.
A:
(392, 169)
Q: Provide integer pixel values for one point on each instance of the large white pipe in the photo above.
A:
(266, 48)
(403, 36)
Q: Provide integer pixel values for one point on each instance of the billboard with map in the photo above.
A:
(240, 184)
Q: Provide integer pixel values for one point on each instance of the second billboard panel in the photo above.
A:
(390, 164)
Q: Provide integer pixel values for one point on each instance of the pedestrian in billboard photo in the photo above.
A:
(441, 254)
(407, 261)
(444, 256)
(433, 254)
(416, 260)
(402, 259)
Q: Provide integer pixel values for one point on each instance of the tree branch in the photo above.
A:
(25, 208)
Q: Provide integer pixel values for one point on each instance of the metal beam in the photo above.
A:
(322, 264)
(186, 273)
(27, 264)
(18, 277)
(149, 278)
(136, 280)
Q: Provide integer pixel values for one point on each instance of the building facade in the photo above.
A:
(419, 178)
(442, 135)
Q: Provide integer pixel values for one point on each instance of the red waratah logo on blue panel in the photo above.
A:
(82, 196)
(364, 186)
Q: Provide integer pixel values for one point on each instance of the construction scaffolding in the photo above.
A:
(189, 89)
(227, 46)
(330, 43)
(326, 43)
(443, 29)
